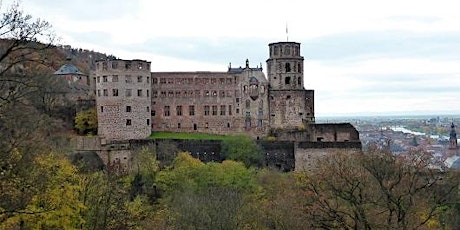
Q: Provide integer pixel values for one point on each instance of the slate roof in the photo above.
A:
(68, 69)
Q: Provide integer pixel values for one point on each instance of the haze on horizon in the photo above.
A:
(361, 57)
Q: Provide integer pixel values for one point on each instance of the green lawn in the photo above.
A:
(187, 136)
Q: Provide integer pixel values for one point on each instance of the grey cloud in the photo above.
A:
(89, 10)
(389, 44)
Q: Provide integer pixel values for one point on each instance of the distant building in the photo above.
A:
(453, 137)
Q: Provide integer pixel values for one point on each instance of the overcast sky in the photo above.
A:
(361, 57)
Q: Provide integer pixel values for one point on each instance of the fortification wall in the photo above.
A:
(282, 155)
(307, 154)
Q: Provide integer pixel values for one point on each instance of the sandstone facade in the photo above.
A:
(123, 99)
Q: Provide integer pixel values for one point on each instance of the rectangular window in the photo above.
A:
(139, 92)
(230, 110)
(139, 78)
(106, 93)
(155, 80)
(148, 108)
(102, 109)
(98, 92)
(222, 110)
(128, 79)
(206, 110)
(115, 78)
(237, 110)
(148, 121)
(104, 78)
(162, 80)
(128, 122)
(179, 110)
(98, 79)
(166, 111)
(191, 110)
(128, 92)
(259, 123)
(214, 110)
(237, 100)
(115, 92)
(128, 109)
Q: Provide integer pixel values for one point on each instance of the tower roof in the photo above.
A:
(68, 69)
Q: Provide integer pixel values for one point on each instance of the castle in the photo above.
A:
(132, 101)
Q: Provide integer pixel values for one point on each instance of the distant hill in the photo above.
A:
(84, 59)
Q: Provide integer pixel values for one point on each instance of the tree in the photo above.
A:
(48, 198)
(23, 45)
(205, 196)
(86, 121)
(377, 190)
(242, 148)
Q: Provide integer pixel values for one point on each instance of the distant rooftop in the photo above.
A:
(68, 69)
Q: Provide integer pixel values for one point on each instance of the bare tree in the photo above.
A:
(378, 190)
(23, 45)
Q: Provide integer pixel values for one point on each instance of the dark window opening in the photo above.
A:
(288, 67)
(148, 121)
(178, 125)
(195, 127)
(128, 109)
(287, 80)
(288, 97)
(299, 81)
(102, 109)
(128, 121)
(228, 125)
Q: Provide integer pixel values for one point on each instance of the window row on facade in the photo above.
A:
(208, 110)
(189, 81)
(288, 67)
(194, 126)
(128, 109)
(194, 93)
(123, 65)
(128, 93)
(129, 122)
(126, 78)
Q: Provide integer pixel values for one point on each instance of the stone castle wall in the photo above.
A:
(211, 102)
(281, 155)
(123, 99)
(308, 154)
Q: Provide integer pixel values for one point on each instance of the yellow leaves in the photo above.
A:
(55, 201)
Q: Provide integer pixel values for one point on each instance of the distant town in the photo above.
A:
(406, 134)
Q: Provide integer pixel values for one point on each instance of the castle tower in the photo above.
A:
(453, 137)
(291, 106)
(123, 99)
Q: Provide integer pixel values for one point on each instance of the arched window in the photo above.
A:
(287, 80)
(288, 67)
